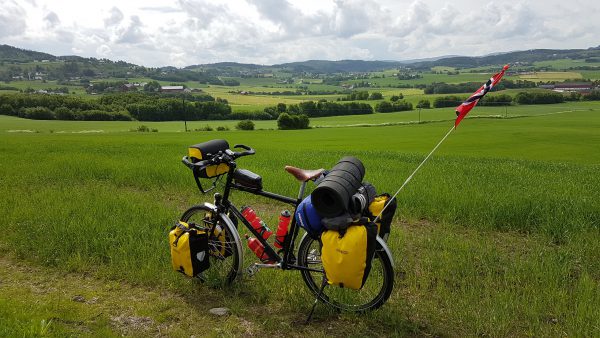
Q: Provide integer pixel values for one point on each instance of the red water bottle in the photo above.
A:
(259, 250)
(256, 222)
(282, 228)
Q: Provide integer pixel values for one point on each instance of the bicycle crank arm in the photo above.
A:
(253, 269)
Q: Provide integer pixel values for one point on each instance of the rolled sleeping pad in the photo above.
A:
(333, 195)
(332, 198)
(351, 165)
(343, 177)
(362, 199)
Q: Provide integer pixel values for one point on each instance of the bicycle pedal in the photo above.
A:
(252, 270)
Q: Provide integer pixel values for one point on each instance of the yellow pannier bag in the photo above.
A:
(346, 254)
(384, 223)
(189, 249)
(205, 151)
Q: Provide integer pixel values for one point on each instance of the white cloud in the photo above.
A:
(352, 17)
(103, 50)
(114, 18)
(51, 20)
(132, 33)
(12, 19)
(183, 32)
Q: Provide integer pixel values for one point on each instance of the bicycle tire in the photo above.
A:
(370, 297)
(224, 244)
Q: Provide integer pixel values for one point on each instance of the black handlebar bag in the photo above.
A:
(205, 151)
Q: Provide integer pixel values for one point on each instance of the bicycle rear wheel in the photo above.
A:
(374, 293)
(224, 244)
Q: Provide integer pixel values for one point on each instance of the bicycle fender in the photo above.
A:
(385, 248)
(211, 206)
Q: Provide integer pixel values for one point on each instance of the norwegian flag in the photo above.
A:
(464, 108)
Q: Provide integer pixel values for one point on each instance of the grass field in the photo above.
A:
(383, 82)
(496, 236)
(551, 76)
(17, 125)
(565, 64)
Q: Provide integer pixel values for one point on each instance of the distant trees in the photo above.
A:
(64, 113)
(388, 107)
(376, 96)
(102, 115)
(468, 87)
(447, 101)
(362, 95)
(395, 98)
(281, 107)
(112, 107)
(7, 109)
(356, 96)
(104, 86)
(320, 109)
(21, 100)
(445, 88)
(424, 104)
(36, 113)
(171, 109)
(496, 100)
(152, 86)
(245, 125)
(408, 76)
(231, 82)
(287, 121)
(592, 96)
(539, 98)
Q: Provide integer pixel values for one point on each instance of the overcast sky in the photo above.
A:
(186, 32)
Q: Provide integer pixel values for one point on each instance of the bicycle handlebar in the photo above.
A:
(220, 157)
(249, 151)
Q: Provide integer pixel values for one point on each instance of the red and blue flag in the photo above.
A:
(464, 108)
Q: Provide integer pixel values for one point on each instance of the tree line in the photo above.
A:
(541, 97)
(158, 107)
(320, 109)
(467, 87)
(142, 107)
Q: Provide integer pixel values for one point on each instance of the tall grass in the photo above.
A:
(515, 250)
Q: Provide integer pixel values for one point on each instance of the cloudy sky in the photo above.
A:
(185, 32)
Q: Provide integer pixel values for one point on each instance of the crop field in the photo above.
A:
(427, 78)
(590, 74)
(551, 76)
(496, 236)
(566, 64)
(18, 125)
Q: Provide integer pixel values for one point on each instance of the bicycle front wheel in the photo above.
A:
(224, 244)
(377, 289)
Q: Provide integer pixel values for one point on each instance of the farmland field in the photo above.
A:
(496, 236)
(551, 76)
(17, 125)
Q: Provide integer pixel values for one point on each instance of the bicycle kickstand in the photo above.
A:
(316, 300)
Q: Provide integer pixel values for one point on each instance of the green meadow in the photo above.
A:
(497, 235)
(12, 125)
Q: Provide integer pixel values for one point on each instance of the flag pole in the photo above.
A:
(461, 112)
(414, 172)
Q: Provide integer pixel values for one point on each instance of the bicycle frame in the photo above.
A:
(223, 205)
